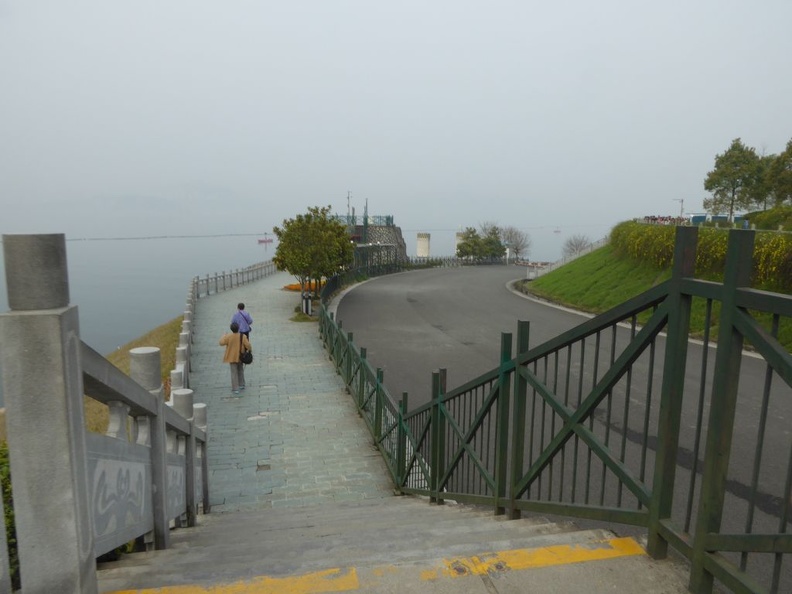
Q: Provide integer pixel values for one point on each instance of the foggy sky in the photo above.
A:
(129, 118)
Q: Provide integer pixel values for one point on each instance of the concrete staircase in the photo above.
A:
(399, 544)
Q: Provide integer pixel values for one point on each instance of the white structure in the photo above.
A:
(457, 240)
(422, 248)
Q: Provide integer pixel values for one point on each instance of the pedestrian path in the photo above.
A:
(293, 439)
(293, 436)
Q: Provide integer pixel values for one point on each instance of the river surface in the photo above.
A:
(125, 287)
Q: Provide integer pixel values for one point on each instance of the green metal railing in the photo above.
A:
(608, 422)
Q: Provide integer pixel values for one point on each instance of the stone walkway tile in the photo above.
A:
(294, 417)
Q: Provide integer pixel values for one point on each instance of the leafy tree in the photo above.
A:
(732, 179)
(469, 245)
(312, 246)
(519, 242)
(762, 190)
(779, 176)
(576, 245)
(491, 245)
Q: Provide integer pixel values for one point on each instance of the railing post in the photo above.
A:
(506, 368)
(720, 426)
(200, 420)
(361, 388)
(183, 403)
(45, 422)
(145, 369)
(401, 446)
(378, 406)
(438, 436)
(518, 419)
(672, 389)
(348, 362)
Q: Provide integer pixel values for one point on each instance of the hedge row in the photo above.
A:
(654, 245)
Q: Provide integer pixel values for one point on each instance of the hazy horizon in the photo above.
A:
(144, 118)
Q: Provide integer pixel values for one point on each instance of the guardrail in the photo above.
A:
(78, 495)
(203, 286)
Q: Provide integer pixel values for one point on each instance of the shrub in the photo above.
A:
(8, 508)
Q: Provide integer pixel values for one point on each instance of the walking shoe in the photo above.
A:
(236, 391)
(241, 387)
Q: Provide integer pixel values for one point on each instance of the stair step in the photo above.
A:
(402, 530)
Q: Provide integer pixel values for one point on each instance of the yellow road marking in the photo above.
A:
(346, 579)
(329, 580)
(534, 558)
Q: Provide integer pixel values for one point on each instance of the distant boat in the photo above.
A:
(265, 240)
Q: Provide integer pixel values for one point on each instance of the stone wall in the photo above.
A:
(385, 235)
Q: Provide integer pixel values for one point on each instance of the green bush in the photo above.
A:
(653, 245)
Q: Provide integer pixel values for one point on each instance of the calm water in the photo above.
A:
(123, 288)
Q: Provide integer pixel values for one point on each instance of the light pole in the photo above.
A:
(681, 206)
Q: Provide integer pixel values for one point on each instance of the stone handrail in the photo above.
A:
(77, 494)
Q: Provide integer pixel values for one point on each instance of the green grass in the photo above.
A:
(595, 282)
(601, 280)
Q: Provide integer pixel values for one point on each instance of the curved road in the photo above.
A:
(414, 323)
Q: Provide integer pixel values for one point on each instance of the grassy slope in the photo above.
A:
(595, 282)
(601, 280)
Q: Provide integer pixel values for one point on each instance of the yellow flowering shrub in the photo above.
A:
(654, 245)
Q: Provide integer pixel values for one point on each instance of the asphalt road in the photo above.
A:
(416, 322)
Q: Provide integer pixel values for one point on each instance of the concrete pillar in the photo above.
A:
(145, 368)
(176, 379)
(183, 402)
(199, 415)
(44, 418)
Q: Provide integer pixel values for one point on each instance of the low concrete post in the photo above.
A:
(201, 421)
(183, 404)
(45, 422)
(181, 363)
(145, 368)
(184, 340)
(176, 379)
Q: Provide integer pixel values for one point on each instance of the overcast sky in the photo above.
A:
(129, 118)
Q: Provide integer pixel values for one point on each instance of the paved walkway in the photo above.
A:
(293, 437)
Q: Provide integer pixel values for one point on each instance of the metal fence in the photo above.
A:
(622, 420)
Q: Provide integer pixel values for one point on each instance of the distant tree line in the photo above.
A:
(490, 242)
(743, 180)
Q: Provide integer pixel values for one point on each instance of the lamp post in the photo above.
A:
(681, 206)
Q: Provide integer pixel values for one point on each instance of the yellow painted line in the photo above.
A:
(535, 558)
(347, 580)
(329, 580)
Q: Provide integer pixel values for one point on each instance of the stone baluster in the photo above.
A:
(145, 367)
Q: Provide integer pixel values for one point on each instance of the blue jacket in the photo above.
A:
(244, 320)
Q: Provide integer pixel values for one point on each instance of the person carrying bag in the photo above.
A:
(234, 351)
